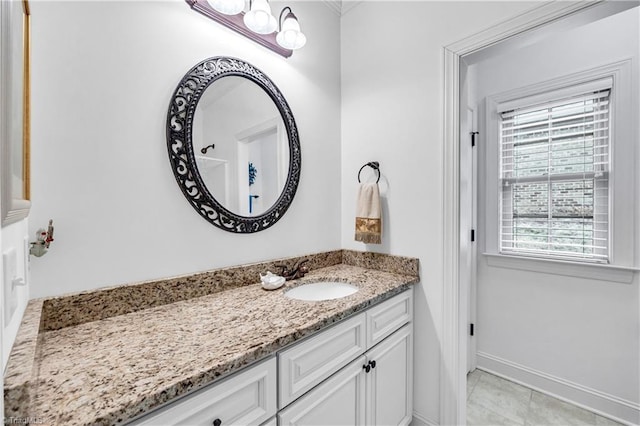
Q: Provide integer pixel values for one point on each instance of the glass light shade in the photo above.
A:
(259, 19)
(227, 7)
(290, 36)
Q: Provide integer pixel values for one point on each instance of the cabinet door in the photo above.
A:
(340, 400)
(390, 382)
(246, 398)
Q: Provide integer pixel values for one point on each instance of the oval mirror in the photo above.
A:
(233, 145)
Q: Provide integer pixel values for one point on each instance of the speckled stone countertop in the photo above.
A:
(86, 368)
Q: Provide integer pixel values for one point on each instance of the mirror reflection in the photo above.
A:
(241, 146)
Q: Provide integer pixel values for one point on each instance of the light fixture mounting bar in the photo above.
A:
(236, 23)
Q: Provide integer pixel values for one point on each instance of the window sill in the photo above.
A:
(594, 271)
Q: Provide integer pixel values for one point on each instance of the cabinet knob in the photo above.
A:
(373, 364)
(366, 367)
(217, 422)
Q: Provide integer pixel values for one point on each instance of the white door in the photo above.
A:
(390, 380)
(468, 230)
(340, 400)
(260, 168)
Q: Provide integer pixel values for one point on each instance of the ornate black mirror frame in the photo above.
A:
(181, 153)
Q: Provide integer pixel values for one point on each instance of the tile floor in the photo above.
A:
(494, 401)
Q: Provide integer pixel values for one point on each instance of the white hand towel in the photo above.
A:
(368, 214)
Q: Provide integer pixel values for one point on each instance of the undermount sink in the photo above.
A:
(327, 290)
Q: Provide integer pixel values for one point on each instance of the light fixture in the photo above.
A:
(290, 36)
(259, 18)
(257, 23)
(227, 7)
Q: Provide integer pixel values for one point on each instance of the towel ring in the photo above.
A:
(374, 165)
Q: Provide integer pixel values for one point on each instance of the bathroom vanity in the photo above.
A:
(216, 347)
(358, 371)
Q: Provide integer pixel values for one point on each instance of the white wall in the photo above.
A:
(392, 86)
(103, 75)
(582, 334)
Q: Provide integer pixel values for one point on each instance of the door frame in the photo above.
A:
(454, 315)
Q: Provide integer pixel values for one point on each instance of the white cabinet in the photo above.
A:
(308, 363)
(388, 316)
(357, 372)
(390, 380)
(375, 389)
(340, 400)
(246, 398)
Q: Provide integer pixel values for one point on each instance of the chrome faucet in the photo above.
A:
(297, 271)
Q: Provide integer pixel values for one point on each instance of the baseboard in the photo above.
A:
(601, 403)
(420, 420)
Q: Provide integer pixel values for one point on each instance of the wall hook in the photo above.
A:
(43, 240)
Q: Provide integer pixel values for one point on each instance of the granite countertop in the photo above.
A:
(110, 370)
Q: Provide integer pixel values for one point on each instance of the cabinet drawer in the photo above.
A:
(308, 363)
(387, 317)
(247, 398)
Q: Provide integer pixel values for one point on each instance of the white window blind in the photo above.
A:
(555, 178)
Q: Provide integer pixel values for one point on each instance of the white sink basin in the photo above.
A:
(321, 291)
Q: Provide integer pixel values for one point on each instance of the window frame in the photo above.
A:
(624, 156)
(599, 178)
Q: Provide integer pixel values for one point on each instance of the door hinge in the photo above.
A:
(473, 138)
(471, 329)
(473, 235)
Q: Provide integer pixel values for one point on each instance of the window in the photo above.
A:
(554, 176)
